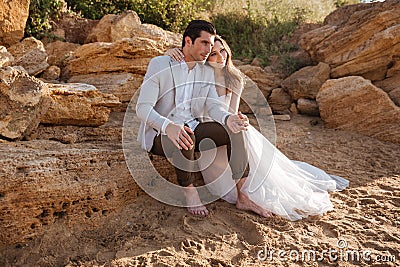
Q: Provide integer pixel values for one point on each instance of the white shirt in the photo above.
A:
(183, 99)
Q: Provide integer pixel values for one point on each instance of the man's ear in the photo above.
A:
(188, 41)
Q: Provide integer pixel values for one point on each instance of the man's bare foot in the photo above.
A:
(244, 203)
(193, 202)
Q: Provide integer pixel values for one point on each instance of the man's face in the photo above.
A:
(201, 48)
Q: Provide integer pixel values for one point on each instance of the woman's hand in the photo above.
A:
(237, 122)
(176, 54)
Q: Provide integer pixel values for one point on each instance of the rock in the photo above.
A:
(31, 55)
(73, 28)
(123, 85)
(238, 62)
(308, 107)
(78, 104)
(341, 16)
(112, 28)
(52, 73)
(22, 103)
(293, 108)
(355, 104)
(395, 96)
(391, 84)
(6, 59)
(126, 55)
(279, 100)
(58, 52)
(264, 80)
(374, 42)
(306, 82)
(253, 100)
(13, 16)
(111, 131)
(256, 62)
(44, 181)
(283, 117)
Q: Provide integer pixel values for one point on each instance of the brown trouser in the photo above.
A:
(183, 160)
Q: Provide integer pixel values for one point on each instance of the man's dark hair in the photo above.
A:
(193, 30)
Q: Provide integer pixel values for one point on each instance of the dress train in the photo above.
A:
(291, 189)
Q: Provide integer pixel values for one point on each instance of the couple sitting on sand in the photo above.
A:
(192, 94)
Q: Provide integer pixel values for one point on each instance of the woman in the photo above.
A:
(291, 189)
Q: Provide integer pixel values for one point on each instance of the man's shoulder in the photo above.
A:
(207, 69)
(164, 60)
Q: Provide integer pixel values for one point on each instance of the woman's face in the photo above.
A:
(218, 55)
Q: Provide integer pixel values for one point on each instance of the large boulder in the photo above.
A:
(365, 43)
(43, 182)
(73, 29)
(23, 101)
(279, 100)
(126, 55)
(13, 16)
(30, 54)
(78, 104)
(266, 81)
(307, 106)
(58, 52)
(355, 104)
(112, 28)
(123, 85)
(306, 82)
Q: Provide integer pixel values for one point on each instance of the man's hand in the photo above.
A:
(237, 122)
(178, 134)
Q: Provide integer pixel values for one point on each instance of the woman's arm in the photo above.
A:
(235, 100)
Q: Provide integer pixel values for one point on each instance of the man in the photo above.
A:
(174, 103)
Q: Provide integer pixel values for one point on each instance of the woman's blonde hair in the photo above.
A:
(233, 76)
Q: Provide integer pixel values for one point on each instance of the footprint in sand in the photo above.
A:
(191, 246)
(243, 226)
(329, 229)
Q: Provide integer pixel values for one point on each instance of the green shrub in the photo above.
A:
(41, 13)
(255, 33)
(171, 15)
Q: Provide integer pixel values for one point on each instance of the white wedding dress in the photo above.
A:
(288, 188)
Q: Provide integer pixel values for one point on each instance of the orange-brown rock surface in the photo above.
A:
(43, 182)
(362, 43)
(6, 59)
(13, 16)
(78, 104)
(306, 82)
(23, 102)
(355, 104)
(30, 54)
(112, 28)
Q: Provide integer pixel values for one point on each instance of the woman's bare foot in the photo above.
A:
(244, 203)
(193, 202)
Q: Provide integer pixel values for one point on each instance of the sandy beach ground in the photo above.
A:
(363, 230)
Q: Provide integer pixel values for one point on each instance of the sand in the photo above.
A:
(365, 221)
